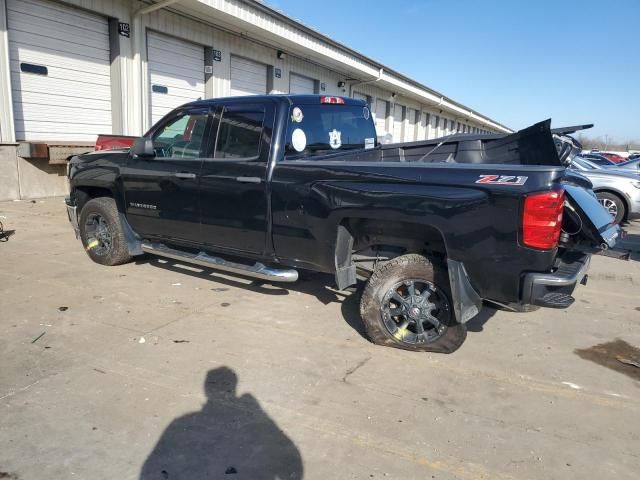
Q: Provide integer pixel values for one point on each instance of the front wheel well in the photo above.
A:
(83, 194)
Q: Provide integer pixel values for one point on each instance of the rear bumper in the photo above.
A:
(554, 289)
(72, 213)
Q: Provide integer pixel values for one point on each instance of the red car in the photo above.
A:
(614, 157)
(113, 142)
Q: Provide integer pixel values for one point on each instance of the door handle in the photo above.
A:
(184, 175)
(249, 179)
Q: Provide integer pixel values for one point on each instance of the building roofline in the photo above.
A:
(374, 64)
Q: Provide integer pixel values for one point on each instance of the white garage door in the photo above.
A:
(60, 73)
(248, 77)
(300, 84)
(381, 117)
(176, 73)
(397, 123)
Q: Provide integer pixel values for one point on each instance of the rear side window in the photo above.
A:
(182, 136)
(319, 129)
(239, 135)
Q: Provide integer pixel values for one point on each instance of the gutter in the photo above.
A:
(364, 82)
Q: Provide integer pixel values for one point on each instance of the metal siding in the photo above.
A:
(300, 84)
(409, 134)
(247, 77)
(381, 117)
(397, 123)
(73, 101)
(177, 65)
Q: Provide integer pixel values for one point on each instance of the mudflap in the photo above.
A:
(466, 301)
(134, 242)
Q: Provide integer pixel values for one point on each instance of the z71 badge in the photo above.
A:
(502, 180)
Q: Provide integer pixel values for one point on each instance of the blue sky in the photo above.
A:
(517, 61)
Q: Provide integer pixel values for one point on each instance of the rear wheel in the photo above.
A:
(613, 204)
(101, 232)
(406, 304)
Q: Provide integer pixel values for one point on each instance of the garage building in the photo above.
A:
(70, 70)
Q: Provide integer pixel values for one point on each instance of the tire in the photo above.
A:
(101, 232)
(613, 204)
(398, 324)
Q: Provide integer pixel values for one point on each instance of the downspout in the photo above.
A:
(380, 72)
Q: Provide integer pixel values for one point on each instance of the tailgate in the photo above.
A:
(596, 222)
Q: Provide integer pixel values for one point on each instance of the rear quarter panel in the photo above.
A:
(480, 223)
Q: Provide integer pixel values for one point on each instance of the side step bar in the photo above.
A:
(258, 270)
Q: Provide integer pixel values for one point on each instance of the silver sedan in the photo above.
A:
(618, 190)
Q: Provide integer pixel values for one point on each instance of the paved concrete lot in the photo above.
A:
(158, 370)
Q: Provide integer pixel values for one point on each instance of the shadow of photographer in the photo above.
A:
(230, 435)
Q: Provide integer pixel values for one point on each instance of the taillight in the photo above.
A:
(333, 100)
(542, 219)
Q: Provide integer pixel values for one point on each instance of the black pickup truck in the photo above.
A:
(265, 186)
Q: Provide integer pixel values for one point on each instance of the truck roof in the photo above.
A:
(291, 99)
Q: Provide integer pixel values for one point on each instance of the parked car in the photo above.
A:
(618, 191)
(630, 165)
(113, 142)
(264, 186)
(614, 157)
(599, 159)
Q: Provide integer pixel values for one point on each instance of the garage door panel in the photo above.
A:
(186, 85)
(247, 77)
(39, 43)
(58, 13)
(410, 125)
(73, 101)
(177, 65)
(55, 86)
(25, 24)
(56, 75)
(69, 115)
(301, 85)
(397, 123)
(187, 69)
(381, 116)
(40, 98)
(159, 45)
(53, 61)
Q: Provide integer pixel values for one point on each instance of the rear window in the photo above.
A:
(320, 129)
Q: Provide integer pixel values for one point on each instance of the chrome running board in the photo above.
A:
(258, 270)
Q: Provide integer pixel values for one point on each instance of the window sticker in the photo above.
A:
(297, 115)
(334, 139)
(365, 113)
(298, 140)
(369, 143)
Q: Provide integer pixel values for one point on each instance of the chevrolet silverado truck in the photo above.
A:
(267, 186)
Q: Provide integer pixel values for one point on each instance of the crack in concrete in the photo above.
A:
(355, 368)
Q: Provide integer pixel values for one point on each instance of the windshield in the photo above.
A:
(629, 162)
(584, 164)
(315, 129)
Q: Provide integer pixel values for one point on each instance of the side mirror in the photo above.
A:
(143, 148)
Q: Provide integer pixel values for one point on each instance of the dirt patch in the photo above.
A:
(617, 355)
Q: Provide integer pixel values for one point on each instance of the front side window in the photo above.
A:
(181, 137)
(239, 135)
(316, 129)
